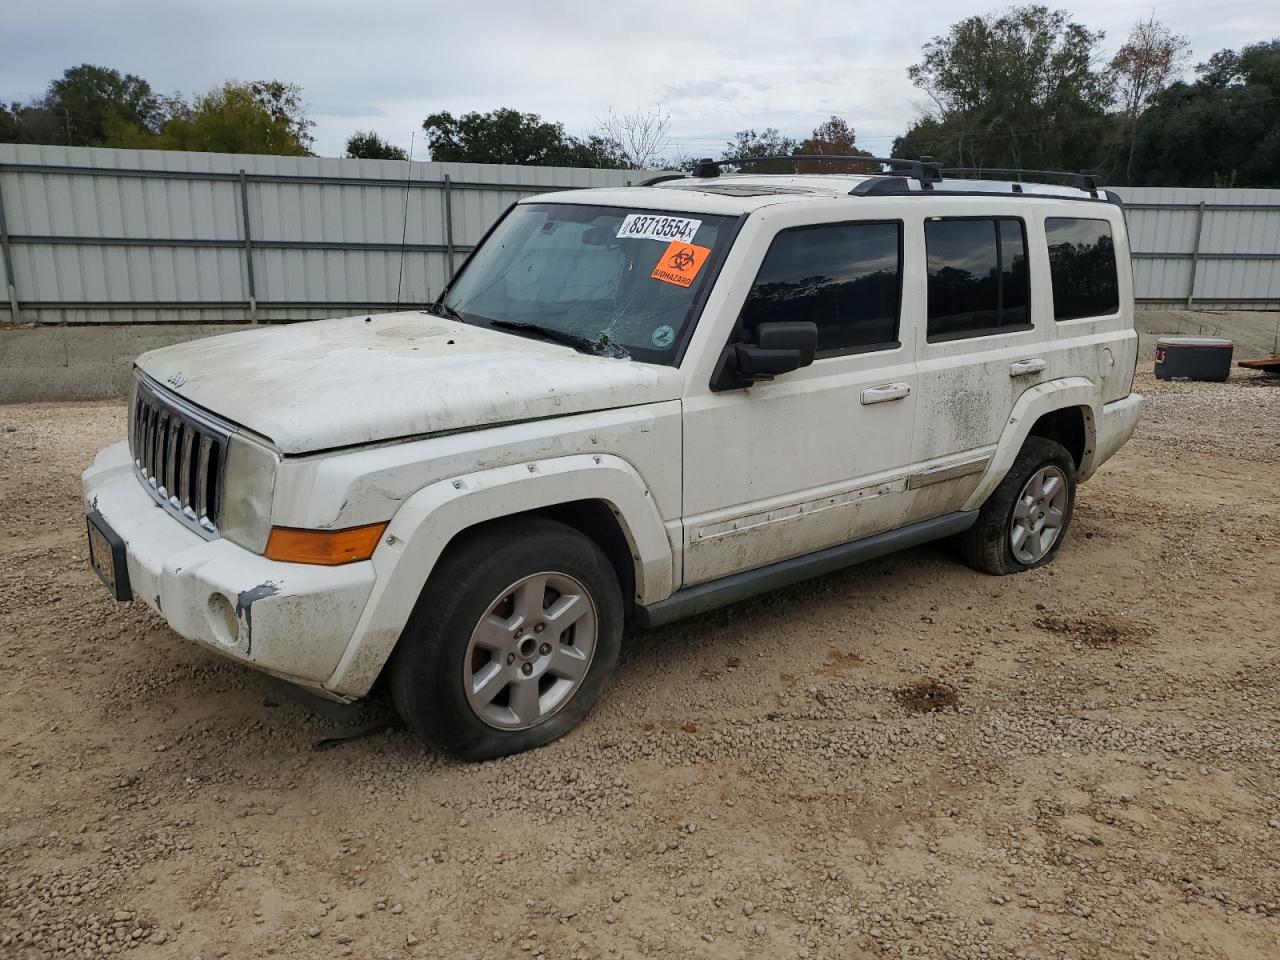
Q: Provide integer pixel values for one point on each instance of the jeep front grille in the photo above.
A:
(179, 453)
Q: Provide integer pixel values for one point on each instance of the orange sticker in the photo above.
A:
(680, 263)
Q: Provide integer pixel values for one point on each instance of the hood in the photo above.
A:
(335, 383)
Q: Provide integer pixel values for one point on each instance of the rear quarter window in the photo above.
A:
(1082, 267)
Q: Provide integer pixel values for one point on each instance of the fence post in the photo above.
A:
(248, 247)
(7, 253)
(1195, 255)
(448, 225)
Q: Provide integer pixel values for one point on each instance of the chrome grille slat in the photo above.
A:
(149, 441)
(173, 428)
(201, 504)
(178, 456)
(184, 470)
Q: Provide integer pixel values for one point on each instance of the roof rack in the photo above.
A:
(897, 171)
(1079, 179)
(925, 170)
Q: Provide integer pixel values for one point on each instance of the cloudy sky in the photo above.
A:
(716, 67)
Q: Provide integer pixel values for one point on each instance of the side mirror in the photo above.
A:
(780, 347)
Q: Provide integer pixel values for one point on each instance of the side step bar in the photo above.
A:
(739, 586)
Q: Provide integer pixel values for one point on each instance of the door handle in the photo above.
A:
(886, 391)
(1021, 368)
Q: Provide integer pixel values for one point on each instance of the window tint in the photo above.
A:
(1082, 267)
(844, 277)
(978, 280)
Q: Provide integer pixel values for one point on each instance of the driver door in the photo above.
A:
(819, 456)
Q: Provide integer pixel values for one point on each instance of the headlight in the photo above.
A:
(248, 487)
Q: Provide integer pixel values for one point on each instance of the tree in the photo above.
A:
(1142, 69)
(1221, 130)
(233, 118)
(640, 137)
(767, 143)
(832, 137)
(284, 102)
(83, 106)
(89, 99)
(509, 136)
(1015, 89)
(367, 145)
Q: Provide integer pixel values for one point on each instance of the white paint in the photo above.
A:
(436, 426)
(358, 380)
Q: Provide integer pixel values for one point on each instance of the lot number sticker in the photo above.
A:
(680, 263)
(647, 226)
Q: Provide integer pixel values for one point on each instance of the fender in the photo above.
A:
(1031, 406)
(428, 520)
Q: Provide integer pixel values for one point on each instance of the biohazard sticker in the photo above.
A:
(680, 263)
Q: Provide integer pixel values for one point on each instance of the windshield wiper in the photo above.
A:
(552, 334)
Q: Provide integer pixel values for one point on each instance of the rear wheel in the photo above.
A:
(1025, 520)
(513, 640)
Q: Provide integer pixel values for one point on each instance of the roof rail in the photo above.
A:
(925, 170)
(661, 178)
(897, 171)
(1079, 179)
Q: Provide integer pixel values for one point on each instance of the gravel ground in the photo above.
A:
(906, 759)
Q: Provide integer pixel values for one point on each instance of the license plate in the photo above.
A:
(107, 557)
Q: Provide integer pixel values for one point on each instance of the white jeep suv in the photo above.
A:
(629, 404)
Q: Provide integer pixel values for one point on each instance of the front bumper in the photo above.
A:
(292, 620)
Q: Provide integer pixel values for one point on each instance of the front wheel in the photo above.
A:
(1025, 520)
(513, 641)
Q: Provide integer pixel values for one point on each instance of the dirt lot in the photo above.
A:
(906, 759)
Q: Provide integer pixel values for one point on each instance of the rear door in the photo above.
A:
(978, 350)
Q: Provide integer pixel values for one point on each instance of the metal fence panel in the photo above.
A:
(100, 235)
(1218, 247)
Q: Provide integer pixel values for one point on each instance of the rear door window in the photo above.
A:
(978, 277)
(1082, 267)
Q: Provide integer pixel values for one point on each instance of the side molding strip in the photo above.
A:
(739, 586)
(950, 471)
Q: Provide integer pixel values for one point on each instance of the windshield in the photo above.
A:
(615, 282)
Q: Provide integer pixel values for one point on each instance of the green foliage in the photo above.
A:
(509, 136)
(367, 145)
(90, 99)
(82, 106)
(1014, 89)
(1221, 130)
(97, 106)
(233, 118)
(767, 143)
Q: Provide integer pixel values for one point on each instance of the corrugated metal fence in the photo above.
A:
(95, 235)
(1204, 248)
(98, 235)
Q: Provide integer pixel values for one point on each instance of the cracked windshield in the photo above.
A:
(609, 281)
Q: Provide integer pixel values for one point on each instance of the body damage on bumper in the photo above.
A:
(291, 620)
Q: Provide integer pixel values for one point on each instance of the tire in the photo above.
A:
(989, 545)
(472, 677)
